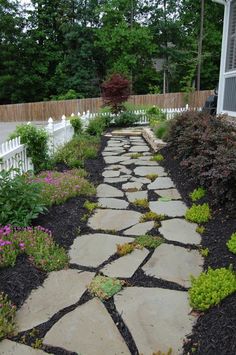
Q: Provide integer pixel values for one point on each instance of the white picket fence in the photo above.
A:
(13, 153)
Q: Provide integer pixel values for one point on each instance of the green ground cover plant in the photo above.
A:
(152, 177)
(231, 244)
(143, 202)
(36, 242)
(136, 155)
(105, 287)
(197, 194)
(90, 206)
(200, 229)
(75, 152)
(57, 187)
(198, 213)
(211, 287)
(151, 216)
(157, 157)
(20, 202)
(149, 241)
(123, 249)
(204, 252)
(7, 317)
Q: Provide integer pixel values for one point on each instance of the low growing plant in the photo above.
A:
(136, 155)
(198, 213)
(123, 249)
(90, 206)
(204, 252)
(148, 241)
(200, 229)
(7, 316)
(157, 157)
(96, 126)
(211, 287)
(76, 124)
(125, 119)
(197, 194)
(151, 216)
(141, 203)
(231, 244)
(105, 287)
(152, 177)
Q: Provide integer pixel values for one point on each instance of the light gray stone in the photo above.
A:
(172, 263)
(145, 163)
(113, 167)
(88, 330)
(132, 185)
(168, 208)
(173, 194)
(114, 160)
(8, 347)
(114, 149)
(128, 162)
(93, 249)
(161, 183)
(113, 219)
(113, 203)
(117, 180)
(158, 319)
(110, 154)
(140, 228)
(141, 180)
(179, 230)
(51, 297)
(105, 190)
(125, 266)
(132, 196)
(147, 170)
(139, 149)
(111, 173)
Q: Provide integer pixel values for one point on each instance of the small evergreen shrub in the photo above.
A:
(198, 213)
(161, 130)
(105, 287)
(197, 194)
(211, 287)
(148, 241)
(151, 216)
(76, 124)
(157, 157)
(231, 244)
(96, 126)
(7, 317)
(125, 119)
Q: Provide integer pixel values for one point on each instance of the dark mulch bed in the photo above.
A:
(215, 330)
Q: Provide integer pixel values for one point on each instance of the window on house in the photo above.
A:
(231, 51)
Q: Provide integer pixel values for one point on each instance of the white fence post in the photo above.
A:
(50, 130)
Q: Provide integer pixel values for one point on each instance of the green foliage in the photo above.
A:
(151, 216)
(161, 130)
(76, 124)
(155, 115)
(204, 252)
(126, 119)
(200, 229)
(36, 140)
(123, 249)
(20, 202)
(58, 187)
(141, 203)
(197, 194)
(152, 177)
(96, 126)
(105, 287)
(75, 152)
(135, 155)
(198, 213)
(231, 244)
(149, 241)
(69, 95)
(7, 317)
(169, 352)
(211, 287)
(157, 157)
(90, 206)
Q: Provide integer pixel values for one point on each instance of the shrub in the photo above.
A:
(105, 287)
(58, 187)
(125, 119)
(211, 287)
(123, 249)
(157, 157)
(36, 242)
(198, 213)
(141, 203)
(76, 124)
(155, 115)
(161, 130)
(115, 91)
(7, 317)
(151, 216)
(75, 152)
(231, 244)
(96, 126)
(69, 95)
(36, 140)
(20, 202)
(197, 194)
(149, 241)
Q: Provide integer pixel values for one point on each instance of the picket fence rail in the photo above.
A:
(13, 154)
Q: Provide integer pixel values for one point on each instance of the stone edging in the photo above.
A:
(154, 142)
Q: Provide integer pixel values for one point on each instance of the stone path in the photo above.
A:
(152, 312)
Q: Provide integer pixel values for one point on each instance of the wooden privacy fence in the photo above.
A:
(40, 111)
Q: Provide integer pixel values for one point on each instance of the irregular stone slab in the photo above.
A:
(111, 173)
(105, 190)
(89, 329)
(61, 289)
(139, 149)
(140, 228)
(161, 183)
(114, 160)
(8, 347)
(179, 230)
(132, 185)
(113, 167)
(169, 208)
(147, 170)
(158, 319)
(113, 219)
(111, 154)
(127, 162)
(126, 266)
(173, 194)
(117, 180)
(146, 163)
(93, 249)
(140, 180)
(172, 263)
(113, 203)
(132, 196)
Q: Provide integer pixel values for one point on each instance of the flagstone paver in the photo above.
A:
(168, 208)
(126, 266)
(175, 264)
(138, 195)
(93, 249)
(141, 180)
(116, 220)
(114, 160)
(8, 347)
(139, 149)
(111, 173)
(113, 203)
(132, 185)
(147, 170)
(87, 330)
(179, 230)
(158, 319)
(173, 194)
(140, 229)
(105, 190)
(161, 183)
(122, 178)
(61, 289)
(146, 163)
